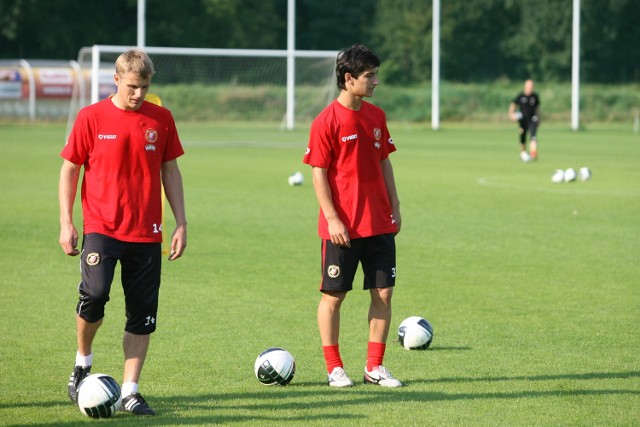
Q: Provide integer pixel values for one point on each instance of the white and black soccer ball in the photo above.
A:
(415, 333)
(99, 396)
(584, 173)
(275, 366)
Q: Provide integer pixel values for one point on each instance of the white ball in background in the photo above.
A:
(525, 156)
(296, 178)
(584, 174)
(570, 175)
(558, 176)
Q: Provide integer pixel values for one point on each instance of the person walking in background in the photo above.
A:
(348, 150)
(129, 149)
(525, 110)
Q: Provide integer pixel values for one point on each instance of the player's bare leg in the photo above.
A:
(380, 314)
(135, 352)
(533, 148)
(86, 334)
(329, 317)
(329, 326)
(379, 322)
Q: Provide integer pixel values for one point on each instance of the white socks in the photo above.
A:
(128, 388)
(84, 360)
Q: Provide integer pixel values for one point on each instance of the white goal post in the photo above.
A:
(325, 76)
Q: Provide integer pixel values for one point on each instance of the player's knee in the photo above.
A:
(141, 317)
(91, 306)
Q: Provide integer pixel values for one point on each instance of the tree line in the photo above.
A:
(481, 40)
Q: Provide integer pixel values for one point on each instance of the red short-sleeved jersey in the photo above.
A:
(350, 145)
(122, 152)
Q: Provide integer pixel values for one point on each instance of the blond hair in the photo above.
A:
(135, 61)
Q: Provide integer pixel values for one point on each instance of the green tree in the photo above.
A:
(402, 37)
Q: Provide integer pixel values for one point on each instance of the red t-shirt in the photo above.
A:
(350, 145)
(122, 152)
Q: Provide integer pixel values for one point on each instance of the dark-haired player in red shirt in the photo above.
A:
(349, 147)
(128, 148)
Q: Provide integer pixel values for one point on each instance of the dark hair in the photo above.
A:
(355, 61)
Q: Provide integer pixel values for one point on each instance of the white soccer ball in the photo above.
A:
(570, 175)
(517, 115)
(584, 174)
(525, 156)
(558, 176)
(275, 366)
(415, 333)
(99, 396)
(296, 178)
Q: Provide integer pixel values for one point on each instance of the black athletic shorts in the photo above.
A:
(377, 254)
(529, 125)
(140, 275)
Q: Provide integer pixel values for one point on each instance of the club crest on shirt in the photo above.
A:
(151, 135)
(93, 258)
(377, 134)
(333, 271)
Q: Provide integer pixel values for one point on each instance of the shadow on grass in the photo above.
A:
(296, 402)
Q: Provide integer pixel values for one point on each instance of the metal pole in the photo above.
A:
(435, 67)
(291, 64)
(142, 10)
(95, 74)
(575, 68)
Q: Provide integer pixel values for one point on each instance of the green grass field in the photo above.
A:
(533, 288)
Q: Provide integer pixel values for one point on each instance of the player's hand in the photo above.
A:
(178, 242)
(397, 218)
(339, 234)
(69, 239)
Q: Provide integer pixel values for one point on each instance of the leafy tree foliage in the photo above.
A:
(480, 40)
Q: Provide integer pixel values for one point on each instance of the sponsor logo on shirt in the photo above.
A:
(350, 137)
(377, 145)
(106, 136)
(377, 134)
(307, 151)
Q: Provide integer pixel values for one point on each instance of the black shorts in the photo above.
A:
(529, 125)
(140, 275)
(377, 254)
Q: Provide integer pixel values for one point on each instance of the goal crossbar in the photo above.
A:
(96, 50)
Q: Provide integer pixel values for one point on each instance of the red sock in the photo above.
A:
(375, 354)
(332, 357)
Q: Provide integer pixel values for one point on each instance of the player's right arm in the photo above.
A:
(337, 229)
(69, 174)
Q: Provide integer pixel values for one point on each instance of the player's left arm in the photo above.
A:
(172, 181)
(392, 193)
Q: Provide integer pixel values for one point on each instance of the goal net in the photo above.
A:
(219, 84)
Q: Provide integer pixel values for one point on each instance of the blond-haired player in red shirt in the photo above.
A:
(128, 148)
(349, 147)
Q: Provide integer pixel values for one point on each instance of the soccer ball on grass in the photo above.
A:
(415, 333)
(99, 396)
(275, 366)
(296, 179)
(584, 174)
